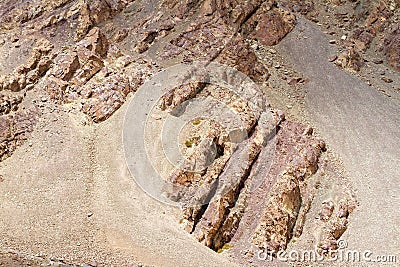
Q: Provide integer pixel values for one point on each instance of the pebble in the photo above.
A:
(377, 61)
(254, 46)
(289, 106)
(387, 80)
(332, 41)
(332, 58)
(344, 37)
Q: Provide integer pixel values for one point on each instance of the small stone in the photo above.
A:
(272, 51)
(289, 106)
(1, 179)
(294, 81)
(377, 61)
(327, 209)
(333, 41)
(90, 214)
(344, 37)
(387, 80)
(332, 58)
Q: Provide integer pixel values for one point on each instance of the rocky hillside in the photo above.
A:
(86, 59)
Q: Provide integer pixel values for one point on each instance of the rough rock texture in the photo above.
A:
(210, 38)
(96, 11)
(93, 54)
(391, 48)
(9, 103)
(217, 34)
(77, 66)
(285, 199)
(373, 24)
(270, 24)
(336, 225)
(299, 6)
(350, 59)
(214, 199)
(29, 73)
(15, 129)
(230, 183)
(71, 77)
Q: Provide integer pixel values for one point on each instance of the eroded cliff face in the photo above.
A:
(90, 56)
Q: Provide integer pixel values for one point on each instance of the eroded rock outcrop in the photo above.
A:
(9, 103)
(29, 73)
(71, 77)
(336, 223)
(215, 197)
(94, 12)
(375, 22)
(15, 129)
(391, 48)
(285, 199)
(269, 24)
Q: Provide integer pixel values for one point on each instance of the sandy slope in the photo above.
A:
(67, 194)
(362, 126)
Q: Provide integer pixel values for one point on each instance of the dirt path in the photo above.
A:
(363, 127)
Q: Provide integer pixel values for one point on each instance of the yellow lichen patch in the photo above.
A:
(225, 247)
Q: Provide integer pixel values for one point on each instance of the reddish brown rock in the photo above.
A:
(377, 17)
(336, 226)
(95, 41)
(71, 77)
(391, 48)
(75, 67)
(270, 24)
(240, 55)
(95, 12)
(209, 39)
(275, 228)
(9, 103)
(15, 130)
(104, 98)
